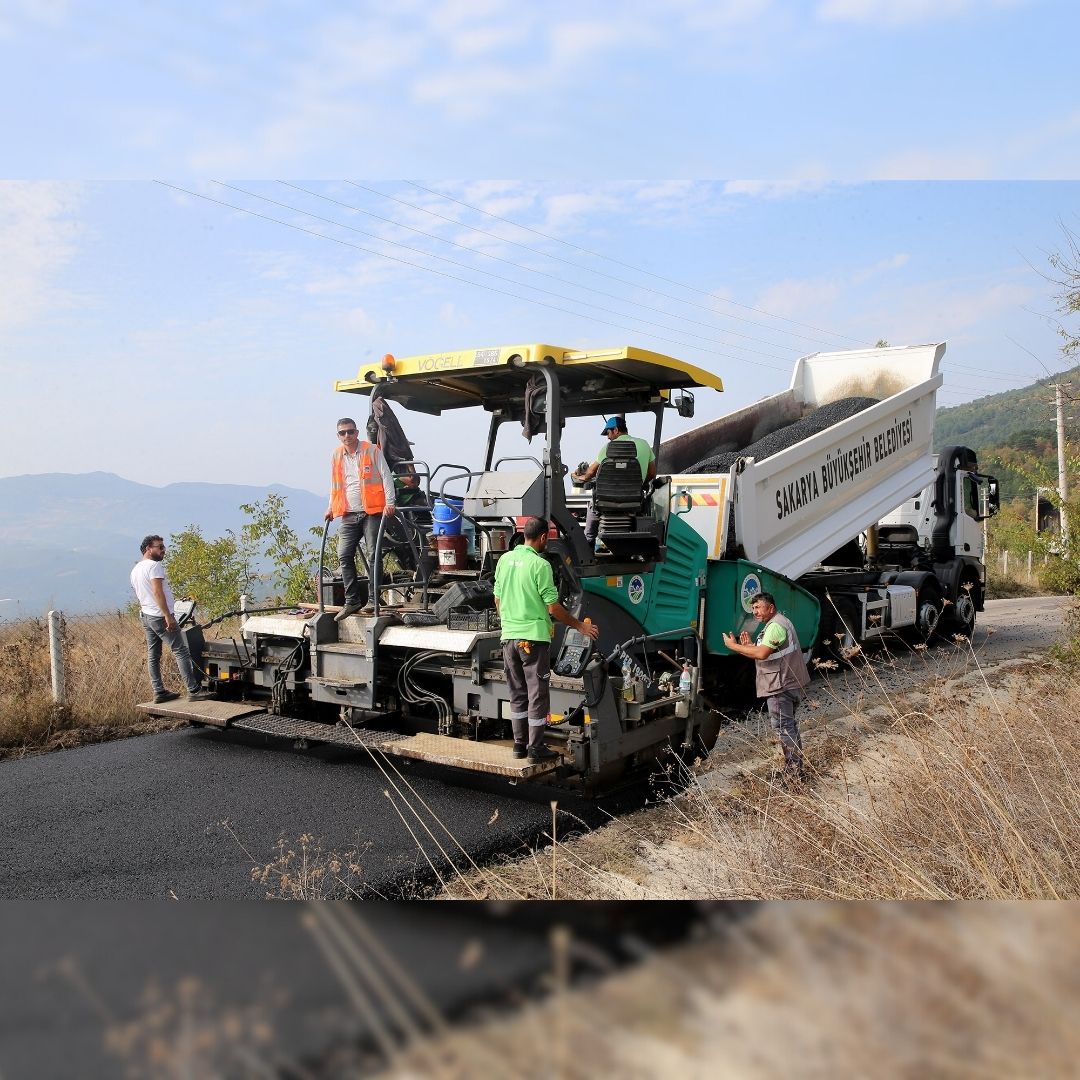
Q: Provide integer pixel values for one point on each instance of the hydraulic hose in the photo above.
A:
(322, 555)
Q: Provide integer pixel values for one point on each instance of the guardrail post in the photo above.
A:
(56, 656)
(1030, 575)
(1005, 563)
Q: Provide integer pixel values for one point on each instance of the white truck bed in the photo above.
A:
(795, 508)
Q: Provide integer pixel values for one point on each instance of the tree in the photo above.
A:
(294, 561)
(1066, 266)
(213, 572)
(217, 572)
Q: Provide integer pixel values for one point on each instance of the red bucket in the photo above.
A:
(553, 529)
(452, 552)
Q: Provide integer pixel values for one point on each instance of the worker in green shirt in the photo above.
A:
(527, 600)
(615, 430)
(781, 676)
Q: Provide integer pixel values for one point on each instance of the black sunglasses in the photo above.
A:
(348, 431)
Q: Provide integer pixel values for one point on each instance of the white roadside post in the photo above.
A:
(56, 656)
(243, 608)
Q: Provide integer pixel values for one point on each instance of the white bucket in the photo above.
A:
(499, 539)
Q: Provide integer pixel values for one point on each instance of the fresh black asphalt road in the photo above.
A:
(142, 818)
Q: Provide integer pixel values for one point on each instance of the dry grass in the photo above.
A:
(972, 794)
(809, 990)
(1016, 583)
(825, 989)
(105, 664)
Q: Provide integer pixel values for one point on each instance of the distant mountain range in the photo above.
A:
(68, 541)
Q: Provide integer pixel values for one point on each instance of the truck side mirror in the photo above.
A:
(993, 496)
(683, 400)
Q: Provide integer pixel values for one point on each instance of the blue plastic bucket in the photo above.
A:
(446, 517)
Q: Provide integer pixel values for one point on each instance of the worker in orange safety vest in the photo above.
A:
(361, 491)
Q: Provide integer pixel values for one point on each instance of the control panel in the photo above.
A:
(573, 654)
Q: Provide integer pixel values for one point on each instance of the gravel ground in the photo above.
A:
(1008, 632)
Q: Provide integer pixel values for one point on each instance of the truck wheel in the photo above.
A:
(837, 623)
(928, 612)
(961, 615)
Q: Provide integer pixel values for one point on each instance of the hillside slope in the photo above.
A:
(1008, 419)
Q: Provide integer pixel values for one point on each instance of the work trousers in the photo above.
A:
(352, 526)
(528, 678)
(782, 708)
(592, 522)
(154, 629)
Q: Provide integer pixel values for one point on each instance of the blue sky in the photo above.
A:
(819, 89)
(911, 166)
(162, 336)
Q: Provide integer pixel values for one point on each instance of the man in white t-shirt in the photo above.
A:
(159, 623)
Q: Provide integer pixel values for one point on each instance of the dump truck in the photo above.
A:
(827, 495)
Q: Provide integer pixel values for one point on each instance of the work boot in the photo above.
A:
(368, 609)
(202, 695)
(520, 750)
(541, 753)
(346, 611)
(167, 695)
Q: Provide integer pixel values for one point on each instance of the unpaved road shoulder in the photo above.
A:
(851, 714)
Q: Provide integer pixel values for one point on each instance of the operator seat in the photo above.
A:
(627, 527)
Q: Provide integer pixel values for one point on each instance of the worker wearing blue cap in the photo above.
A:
(614, 430)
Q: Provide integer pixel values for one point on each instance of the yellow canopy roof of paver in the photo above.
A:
(492, 377)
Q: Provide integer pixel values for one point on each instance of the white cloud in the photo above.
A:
(894, 262)
(775, 189)
(36, 13)
(38, 235)
(798, 299)
(452, 317)
(946, 310)
(470, 93)
(905, 12)
(1046, 150)
(925, 164)
(362, 323)
(583, 40)
(710, 14)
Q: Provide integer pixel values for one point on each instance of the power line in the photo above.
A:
(527, 269)
(988, 373)
(600, 273)
(637, 269)
(486, 273)
(952, 388)
(439, 273)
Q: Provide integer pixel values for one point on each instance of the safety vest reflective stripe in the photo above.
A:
(372, 493)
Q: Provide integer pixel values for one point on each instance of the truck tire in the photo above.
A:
(959, 617)
(836, 622)
(928, 608)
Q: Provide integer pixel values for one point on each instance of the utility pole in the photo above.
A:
(1062, 482)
